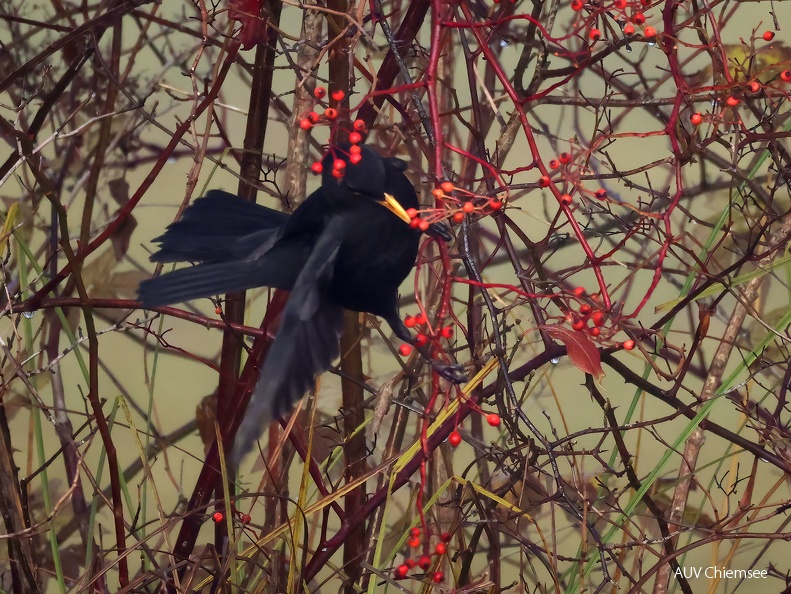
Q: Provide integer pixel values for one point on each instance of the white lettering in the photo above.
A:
(720, 573)
(688, 572)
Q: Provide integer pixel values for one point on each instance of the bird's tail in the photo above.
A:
(221, 231)
(210, 228)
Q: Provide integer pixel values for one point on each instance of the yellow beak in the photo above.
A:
(394, 206)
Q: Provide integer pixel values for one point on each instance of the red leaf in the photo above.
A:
(247, 12)
(581, 350)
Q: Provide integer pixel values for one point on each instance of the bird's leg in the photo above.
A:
(451, 372)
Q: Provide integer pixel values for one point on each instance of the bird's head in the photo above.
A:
(369, 175)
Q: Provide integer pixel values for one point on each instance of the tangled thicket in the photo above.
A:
(616, 177)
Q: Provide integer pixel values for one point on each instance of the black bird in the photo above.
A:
(348, 246)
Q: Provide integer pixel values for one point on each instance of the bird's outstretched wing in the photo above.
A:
(307, 342)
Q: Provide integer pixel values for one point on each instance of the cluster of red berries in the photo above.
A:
(422, 338)
(564, 159)
(754, 86)
(330, 113)
(637, 18)
(424, 561)
(586, 313)
(470, 204)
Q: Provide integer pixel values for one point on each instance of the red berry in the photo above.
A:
(316, 167)
(245, 518)
(553, 164)
(447, 332)
(769, 35)
(576, 4)
(495, 204)
(355, 150)
(446, 536)
(440, 549)
(338, 95)
(320, 92)
(458, 217)
(468, 207)
(217, 517)
(578, 325)
(594, 332)
(331, 113)
(786, 75)
(598, 318)
(543, 181)
(594, 34)
(411, 563)
(305, 124)
(565, 199)
(415, 223)
(639, 18)
(628, 29)
(423, 225)
(447, 187)
(564, 158)
(355, 137)
(401, 571)
(339, 164)
(438, 577)
(337, 173)
(359, 125)
(620, 4)
(421, 340)
(421, 318)
(355, 158)
(601, 194)
(411, 213)
(696, 119)
(579, 291)
(409, 321)
(424, 562)
(413, 542)
(414, 531)
(313, 117)
(649, 32)
(628, 344)
(493, 419)
(732, 101)
(405, 350)
(454, 438)
(754, 86)
(585, 309)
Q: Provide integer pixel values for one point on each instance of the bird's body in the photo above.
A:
(343, 248)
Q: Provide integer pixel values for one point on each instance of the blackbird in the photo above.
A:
(349, 245)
